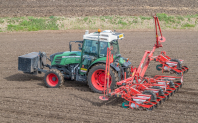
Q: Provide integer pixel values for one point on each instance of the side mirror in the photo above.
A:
(70, 47)
(79, 47)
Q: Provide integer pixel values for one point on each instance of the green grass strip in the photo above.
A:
(112, 22)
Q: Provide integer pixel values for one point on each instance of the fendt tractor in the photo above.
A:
(86, 65)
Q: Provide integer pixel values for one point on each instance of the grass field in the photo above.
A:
(94, 22)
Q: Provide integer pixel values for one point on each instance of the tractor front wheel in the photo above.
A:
(96, 78)
(53, 79)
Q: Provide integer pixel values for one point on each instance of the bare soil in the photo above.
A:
(24, 98)
(96, 8)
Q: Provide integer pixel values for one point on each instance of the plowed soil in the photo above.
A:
(96, 8)
(24, 98)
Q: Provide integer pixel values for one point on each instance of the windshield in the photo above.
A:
(115, 46)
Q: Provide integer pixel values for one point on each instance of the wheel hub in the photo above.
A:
(53, 78)
(101, 78)
(98, 79)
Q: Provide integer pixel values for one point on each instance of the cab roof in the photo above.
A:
(106, 36)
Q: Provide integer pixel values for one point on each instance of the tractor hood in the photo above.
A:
(64, 58)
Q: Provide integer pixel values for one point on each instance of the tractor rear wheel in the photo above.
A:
(53, 79)
(96, 78)
(128, 72)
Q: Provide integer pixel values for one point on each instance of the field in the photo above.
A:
(34, 15)
(24, 98)
(96, 8)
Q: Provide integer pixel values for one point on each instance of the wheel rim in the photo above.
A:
(52, 79)
(98, 79)
(125, 103)
(158, 67)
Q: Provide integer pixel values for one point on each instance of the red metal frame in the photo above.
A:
(170, 65)
(109, 60)
(131, 88)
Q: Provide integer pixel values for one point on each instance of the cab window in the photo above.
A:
(103, 49)
(90, 48)
(115, 46)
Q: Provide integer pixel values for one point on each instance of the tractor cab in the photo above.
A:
(95, 46)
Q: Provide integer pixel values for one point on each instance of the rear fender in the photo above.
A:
(104, 62)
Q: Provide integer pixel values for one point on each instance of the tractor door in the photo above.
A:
(89, 54)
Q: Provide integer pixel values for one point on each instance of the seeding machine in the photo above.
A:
(140, 91)
(100, 64)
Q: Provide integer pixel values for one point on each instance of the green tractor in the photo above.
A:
(86, 65)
